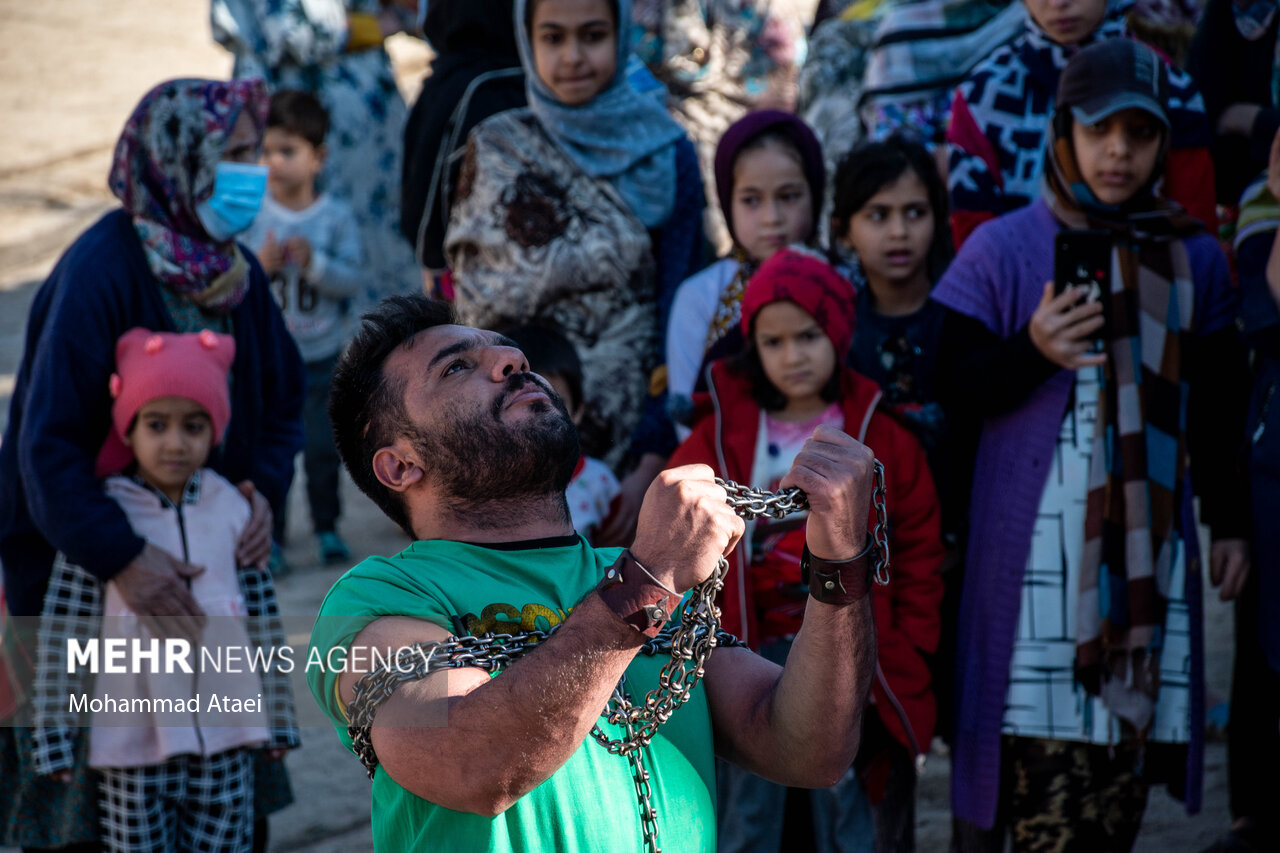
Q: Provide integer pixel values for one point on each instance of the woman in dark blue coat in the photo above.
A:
(186, 175)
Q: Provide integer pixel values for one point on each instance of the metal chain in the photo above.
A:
(752, 503)
(880, 533)
(688, 642)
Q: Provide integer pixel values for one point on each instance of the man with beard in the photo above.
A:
(448, 431)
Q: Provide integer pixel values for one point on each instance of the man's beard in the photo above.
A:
(478, 459)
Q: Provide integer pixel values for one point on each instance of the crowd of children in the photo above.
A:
(1042, 444)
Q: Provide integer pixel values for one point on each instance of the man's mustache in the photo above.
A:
(516, 382)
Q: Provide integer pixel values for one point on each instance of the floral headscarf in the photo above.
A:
(164, 166)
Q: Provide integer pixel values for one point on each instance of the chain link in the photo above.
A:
(880, 533)
(752, 503)
(688, 641)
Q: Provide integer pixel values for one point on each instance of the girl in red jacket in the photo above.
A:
(798, 315)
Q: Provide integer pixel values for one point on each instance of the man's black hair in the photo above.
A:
(550, 355)
(299, 113)
(366, 407)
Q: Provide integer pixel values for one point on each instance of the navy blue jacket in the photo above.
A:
(60, 412)
(1261, 321)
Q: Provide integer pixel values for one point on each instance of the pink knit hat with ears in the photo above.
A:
(150, 365)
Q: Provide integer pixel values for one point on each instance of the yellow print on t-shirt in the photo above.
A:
(501, 618)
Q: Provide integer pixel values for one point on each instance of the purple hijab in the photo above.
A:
(752, 125)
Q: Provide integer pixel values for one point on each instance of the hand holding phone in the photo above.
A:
(1082, 260)
(1062, 326)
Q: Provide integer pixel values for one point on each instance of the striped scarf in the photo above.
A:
(1139, 458)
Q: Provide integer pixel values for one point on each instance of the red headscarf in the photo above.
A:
(798, 275)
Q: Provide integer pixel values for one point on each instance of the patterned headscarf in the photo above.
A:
(164, 166)
(1139, 450)
(1253, 17)
(624, 134)
(1044, 58)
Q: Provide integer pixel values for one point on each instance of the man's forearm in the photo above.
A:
(815, 712)
(798, 725)
(507, 735)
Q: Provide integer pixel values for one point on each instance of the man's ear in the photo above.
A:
(397, 467)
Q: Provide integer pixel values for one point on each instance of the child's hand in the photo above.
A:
(1060, 328)
(271, 254)
(298, 250)
(254, 547)
(1229, 566)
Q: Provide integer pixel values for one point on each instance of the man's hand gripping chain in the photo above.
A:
(688, 640)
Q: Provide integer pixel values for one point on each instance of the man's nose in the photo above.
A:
(505, 361)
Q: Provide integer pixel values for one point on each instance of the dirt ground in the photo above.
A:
(71, 72)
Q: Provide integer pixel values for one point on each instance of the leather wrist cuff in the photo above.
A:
(838, 583)
(636, 597)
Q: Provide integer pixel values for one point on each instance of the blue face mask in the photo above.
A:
(237, 194)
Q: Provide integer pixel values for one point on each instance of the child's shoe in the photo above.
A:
(332, 548)
(276, 564)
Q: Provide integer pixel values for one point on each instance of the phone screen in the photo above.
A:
(1082, 259)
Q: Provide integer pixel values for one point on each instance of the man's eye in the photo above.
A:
(454, 366)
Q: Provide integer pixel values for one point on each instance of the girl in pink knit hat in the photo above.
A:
(170, 733)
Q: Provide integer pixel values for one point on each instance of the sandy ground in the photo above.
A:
(71, 72)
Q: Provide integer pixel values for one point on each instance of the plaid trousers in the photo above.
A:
(188, 804)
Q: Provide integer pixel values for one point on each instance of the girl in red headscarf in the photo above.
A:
(761, 407)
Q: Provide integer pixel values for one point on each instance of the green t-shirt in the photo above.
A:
(590, 803)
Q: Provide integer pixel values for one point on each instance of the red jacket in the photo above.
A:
(906, 611)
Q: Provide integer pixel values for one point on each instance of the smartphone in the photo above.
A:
(1082, 258)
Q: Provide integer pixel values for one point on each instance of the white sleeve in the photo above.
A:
(692, 311)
